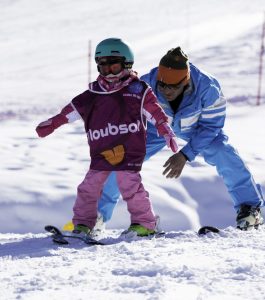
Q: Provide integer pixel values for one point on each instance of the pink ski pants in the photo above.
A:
(132, 191)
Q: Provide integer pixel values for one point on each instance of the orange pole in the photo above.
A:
(261, 62)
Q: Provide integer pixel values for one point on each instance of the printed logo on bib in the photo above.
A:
(113, 130)
(114, 156)
(132, 95)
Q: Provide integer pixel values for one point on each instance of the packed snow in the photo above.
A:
(44, 64)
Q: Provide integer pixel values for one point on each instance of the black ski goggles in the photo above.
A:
(108, 61)
(110, 65)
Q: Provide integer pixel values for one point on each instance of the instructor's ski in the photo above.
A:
(60, 237)
(206, 229)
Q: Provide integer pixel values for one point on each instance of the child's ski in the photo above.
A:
(62, 238)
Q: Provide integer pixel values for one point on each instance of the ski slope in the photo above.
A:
(181, 265)
(43, 47)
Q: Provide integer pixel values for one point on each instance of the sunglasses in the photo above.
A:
(161, 85)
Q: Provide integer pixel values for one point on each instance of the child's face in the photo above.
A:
(110, 65)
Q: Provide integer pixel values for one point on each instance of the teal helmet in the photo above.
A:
(115, 47)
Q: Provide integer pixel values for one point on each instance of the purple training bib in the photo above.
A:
(115, 126)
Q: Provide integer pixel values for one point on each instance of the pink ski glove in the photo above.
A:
(171, 142)
(47, 127)
(165, 130)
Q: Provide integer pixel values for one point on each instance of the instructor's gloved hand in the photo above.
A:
(174, 165)
(165, 130)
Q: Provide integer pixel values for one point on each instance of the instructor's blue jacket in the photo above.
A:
(201, 114)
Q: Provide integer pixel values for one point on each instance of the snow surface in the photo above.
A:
(43, 48)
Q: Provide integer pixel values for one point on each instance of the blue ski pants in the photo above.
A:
(236, 176)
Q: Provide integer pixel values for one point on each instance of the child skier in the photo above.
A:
(114, 110)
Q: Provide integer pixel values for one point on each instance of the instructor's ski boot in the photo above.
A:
(100, 225)
(249, 217)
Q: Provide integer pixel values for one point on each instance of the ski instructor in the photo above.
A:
(194, 101)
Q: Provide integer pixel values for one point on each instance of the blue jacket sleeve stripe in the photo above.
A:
(212, 115)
